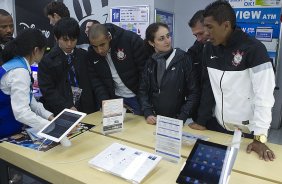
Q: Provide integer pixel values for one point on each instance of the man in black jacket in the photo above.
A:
(6, 30)
(62, 74)
(196, 24)
(116, 61)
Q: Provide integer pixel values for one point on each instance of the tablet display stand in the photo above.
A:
(230, 157)
(65, 142)
(210, 162)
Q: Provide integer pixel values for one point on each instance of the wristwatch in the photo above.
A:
(260, 138)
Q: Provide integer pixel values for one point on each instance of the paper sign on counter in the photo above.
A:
(168, 138)
(112, 115)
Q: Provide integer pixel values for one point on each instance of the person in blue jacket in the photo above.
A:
(18, 107)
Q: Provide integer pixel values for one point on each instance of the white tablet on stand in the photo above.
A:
(58, 129)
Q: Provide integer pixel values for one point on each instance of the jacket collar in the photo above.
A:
(234, 37)
(177, 57)
(56, 51)
(116, 33)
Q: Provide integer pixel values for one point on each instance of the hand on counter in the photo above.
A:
(196, 126)
(73, 108)
(262, 150)
(75, 129)
(151, 120)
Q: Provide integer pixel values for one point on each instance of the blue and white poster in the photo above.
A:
(263, 23)
(261, 14)
(132, 18)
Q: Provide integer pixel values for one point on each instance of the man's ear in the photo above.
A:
(110, 36)
(34, 51)
(227, 25)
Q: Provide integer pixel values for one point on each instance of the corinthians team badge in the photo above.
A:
(237, 57)
(121, 55)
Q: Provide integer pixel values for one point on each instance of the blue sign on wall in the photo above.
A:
(251, 28)
(265, 36)
(115, 15)
(266, 15)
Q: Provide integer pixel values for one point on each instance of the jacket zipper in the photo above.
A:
(222, 99)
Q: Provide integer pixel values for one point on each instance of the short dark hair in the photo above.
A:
(58, 8)
(150, 35)
(221, 11)
(97, 30)
(66, 27)
(197, 17)
(93, 21)
(24, 44)
(4, 12)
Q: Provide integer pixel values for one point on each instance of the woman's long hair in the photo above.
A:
(150, 35)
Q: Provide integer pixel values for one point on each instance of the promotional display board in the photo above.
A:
(28, 16)
(261, 19)
(112, 115)
(168, 138)
(263, 23)
(132, 18)
(126, 162)
(249, 3)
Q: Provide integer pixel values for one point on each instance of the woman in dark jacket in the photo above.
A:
(168, 86)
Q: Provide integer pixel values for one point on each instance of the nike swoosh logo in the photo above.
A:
(95, 62)
(213, 57)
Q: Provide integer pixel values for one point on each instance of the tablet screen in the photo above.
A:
(61, 124)
(204, 164)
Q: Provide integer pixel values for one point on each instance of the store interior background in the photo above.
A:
(183, 38)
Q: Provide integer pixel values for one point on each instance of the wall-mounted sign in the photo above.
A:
(254, 3)
(262, 14)
(132, 18)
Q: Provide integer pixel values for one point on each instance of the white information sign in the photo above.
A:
(168, 138)
(112, 115)
(129, 163)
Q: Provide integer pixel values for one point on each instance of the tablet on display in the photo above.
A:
(204, 164)
(61, 125)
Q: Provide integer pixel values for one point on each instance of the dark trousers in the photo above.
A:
(132, 105)
(213, 125)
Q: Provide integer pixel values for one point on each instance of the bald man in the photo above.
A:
(117, 58)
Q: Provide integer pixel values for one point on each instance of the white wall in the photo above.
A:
(184, 10)
(167, 5)
(7, 5)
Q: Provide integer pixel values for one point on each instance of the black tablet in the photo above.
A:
(204, 164)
